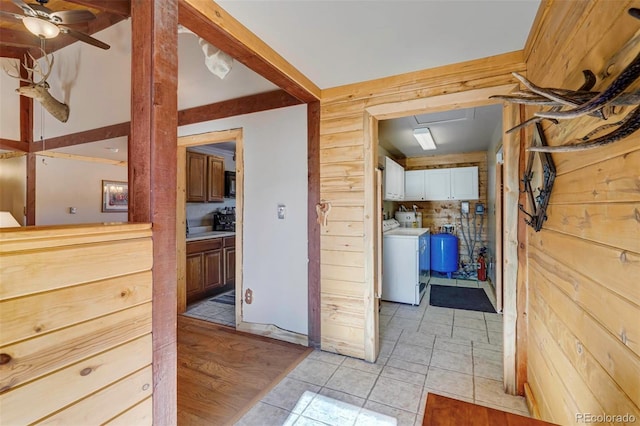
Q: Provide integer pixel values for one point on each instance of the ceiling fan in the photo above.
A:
(45, 23)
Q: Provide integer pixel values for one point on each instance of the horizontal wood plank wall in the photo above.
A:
(344, 283)
(75, 307)
(584, 266)
(436, 214)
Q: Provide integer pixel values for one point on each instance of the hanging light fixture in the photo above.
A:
(424, 138)
(41, 27)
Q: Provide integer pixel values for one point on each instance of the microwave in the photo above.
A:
(230, 184)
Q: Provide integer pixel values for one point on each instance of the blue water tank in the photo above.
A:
(444, 253)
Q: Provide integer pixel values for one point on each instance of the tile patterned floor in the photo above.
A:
(211, 311)
(423, 349)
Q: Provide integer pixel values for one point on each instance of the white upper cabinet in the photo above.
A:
(414, 185)
(460, 183)
(437, 183)
(393, 180)
(464, 183)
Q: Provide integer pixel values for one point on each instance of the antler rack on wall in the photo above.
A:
(583, 102)
(547, 170)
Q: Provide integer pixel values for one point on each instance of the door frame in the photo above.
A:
(447, 102)
(499, 224)
(184, 142)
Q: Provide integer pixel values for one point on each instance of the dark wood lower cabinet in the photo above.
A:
(229, 260)
(194, 276)
(210, 267)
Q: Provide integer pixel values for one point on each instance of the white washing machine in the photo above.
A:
(405, 262)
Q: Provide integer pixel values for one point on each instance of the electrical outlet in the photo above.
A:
(73, 210)
(282, 210)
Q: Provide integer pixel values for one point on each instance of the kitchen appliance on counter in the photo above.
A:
(224, 220)
(406, 262)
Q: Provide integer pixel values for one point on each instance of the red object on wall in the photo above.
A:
(482, 268)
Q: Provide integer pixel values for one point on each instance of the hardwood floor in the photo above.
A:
(222, 373)
(445, 411)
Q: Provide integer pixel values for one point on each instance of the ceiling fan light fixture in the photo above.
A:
(424, 138)
(41, 27)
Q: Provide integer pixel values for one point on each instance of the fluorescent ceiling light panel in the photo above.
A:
(424, 138)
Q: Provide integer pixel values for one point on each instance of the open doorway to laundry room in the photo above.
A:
(439, 321)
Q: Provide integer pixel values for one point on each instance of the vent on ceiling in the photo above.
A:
(445, 116)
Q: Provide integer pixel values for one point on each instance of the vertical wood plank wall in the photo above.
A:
(342, 183)
(584, 266)
(75, 325)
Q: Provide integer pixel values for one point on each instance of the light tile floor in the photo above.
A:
(212, 311)
(423, 349)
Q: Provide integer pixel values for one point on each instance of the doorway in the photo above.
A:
(471, 98)
(233, 136)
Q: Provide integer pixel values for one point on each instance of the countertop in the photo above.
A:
(209, 235)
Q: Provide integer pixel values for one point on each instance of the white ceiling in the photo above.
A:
(343, 41)
(463, 130)
(338, 42)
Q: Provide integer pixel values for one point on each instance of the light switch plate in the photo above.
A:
(282, 210)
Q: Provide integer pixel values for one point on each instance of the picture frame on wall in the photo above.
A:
(115, 196)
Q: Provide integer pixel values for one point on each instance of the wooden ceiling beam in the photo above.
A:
(94, 135)
(117, 7)
(215, 25)
(18, 39)
(238, 106)
(215, 111)
(12, 52)
(11, 145)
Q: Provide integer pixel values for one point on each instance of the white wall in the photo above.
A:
(9, 103)
(95, 83)
(13, 187)
(274, 251)
(63, 183)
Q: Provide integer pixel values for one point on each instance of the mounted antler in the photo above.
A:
(40, 90)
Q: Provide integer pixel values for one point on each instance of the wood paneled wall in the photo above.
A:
(584, 265)
(75, 308)
(436, 214)
(347, 164)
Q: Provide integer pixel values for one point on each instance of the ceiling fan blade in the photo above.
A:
(72, 16)
(84, 37)
(25, 8)
(4, 14)
(39, 9)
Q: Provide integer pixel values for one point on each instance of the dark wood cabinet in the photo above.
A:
(194, 275)
(229, 251)
(196, 177)
(204, 270)
(205, 178)
(215, 173)
(212, 269)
